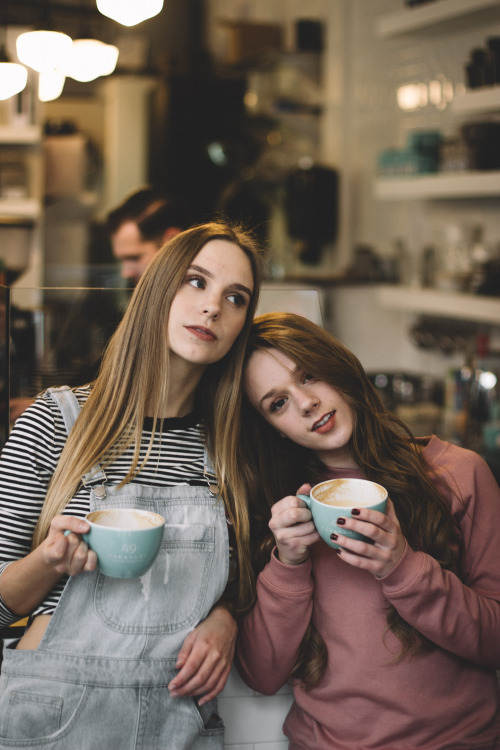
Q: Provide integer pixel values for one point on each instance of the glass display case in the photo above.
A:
(58, 342)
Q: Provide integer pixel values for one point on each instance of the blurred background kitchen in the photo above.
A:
(361, 140)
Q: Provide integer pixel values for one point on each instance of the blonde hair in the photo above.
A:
(134, 380)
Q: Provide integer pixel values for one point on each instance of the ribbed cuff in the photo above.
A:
(290, 579)
(408, 569)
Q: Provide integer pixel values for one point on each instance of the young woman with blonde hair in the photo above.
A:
(134, 663)
(391, 644)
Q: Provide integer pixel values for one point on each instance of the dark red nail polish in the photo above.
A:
(355, 512)
(334, 537)
(340, 521)
(338, 551)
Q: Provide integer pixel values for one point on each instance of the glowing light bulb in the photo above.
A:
(43, 50)
(13, 79)
(129, 12)
(90, 59)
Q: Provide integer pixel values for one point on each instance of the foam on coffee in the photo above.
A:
(124, 518)
(339, 492)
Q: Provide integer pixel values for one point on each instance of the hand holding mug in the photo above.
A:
(293, 528)
(64, 550)
(386, 541)
(355, 517)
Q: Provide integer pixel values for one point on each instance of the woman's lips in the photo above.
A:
(205, 334)
(324, 424)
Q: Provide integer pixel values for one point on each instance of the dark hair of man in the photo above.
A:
(152, 210)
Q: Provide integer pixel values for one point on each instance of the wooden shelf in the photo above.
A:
(440, 303)
(485, 99)
(439, 186)
(428, 15)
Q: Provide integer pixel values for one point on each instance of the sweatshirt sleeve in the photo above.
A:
(270, 635)
(461, 617)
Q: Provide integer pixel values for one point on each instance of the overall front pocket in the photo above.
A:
(171, 595)
(33, 710)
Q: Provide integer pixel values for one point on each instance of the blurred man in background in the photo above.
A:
(137, 228)
(140, 225)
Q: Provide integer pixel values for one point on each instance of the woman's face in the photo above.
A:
(209, 310)
(309, 412)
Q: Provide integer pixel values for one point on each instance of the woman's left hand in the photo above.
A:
(384, 529)
(206, 656)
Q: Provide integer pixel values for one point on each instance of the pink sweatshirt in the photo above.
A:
(448, 698)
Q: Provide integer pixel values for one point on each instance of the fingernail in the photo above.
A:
(340, 521)
(355, 512)
(334, 537)
(338, 551)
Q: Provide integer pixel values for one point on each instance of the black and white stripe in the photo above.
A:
(31, 454)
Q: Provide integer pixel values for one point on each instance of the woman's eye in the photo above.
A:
(306, 378)
(278, 404)
(237, 299)
(197, 281)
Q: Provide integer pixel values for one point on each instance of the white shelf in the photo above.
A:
(431, 14)
(440, 303)
(22, 135)
(485, 99)
(24, 208)
(444, 185)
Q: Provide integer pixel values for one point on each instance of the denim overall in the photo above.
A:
(99, 676)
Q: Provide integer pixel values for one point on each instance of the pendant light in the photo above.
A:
(13, 77)
(90, 59)
(43, 50)
(129, 12)
(50, 85)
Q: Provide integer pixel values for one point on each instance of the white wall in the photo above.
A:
(253, 721)
(379, 337)
(376, 68)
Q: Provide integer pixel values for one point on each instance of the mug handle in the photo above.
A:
(85, 536)
(306, 499)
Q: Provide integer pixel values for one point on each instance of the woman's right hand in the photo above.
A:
(293, 529)
(68, 554)
(27, 581)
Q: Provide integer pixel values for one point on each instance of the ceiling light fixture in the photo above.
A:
(129, 12)
(90, 59)
(13, 77)
(50, 85)
(44, 50)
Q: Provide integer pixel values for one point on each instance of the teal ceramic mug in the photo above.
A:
(335, 498)
(125, 540)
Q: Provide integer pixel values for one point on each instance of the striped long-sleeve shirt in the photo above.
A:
(30, 456)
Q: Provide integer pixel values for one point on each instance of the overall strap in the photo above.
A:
(68, 404)
(69, 407)
(209, 473)
(213, 488)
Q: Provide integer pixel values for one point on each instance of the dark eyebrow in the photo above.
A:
(271, 393)
(194, 267)
(205, 272)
